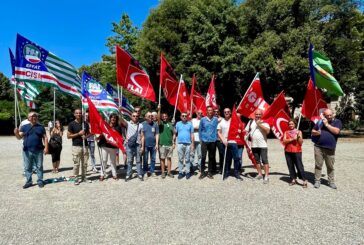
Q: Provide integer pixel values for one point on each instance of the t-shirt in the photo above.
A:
(293, 146)
(104, 143)
(259, 137)
(327, 139)
(224, 126)
(132, 130)
(75, 127)
(33, 135)
(196, 125)
(165, 133)
(184, 131)
(150, 131)
(208, 129)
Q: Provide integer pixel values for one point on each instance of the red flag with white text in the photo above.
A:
(198, 101)
(99, 126)
(313, 104)
(211, 95)
(184, 103)
(168, 81)
(132, 77)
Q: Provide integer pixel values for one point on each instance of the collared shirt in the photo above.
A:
(184, 131)
(327, 139)
(196, 125)
(224, 126)
(132, 129)
(150, 131)
(165, 133)
(208, 129)
(33, 135)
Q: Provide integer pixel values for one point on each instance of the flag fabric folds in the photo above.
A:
(253, 100)
(132, 77)
(184, 102)
(99, 96)
(37, 65)
(321, 73)
(198, 101)
(313, 104)
(99, 126)
(211, 95)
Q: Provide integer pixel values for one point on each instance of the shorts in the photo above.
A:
(165, 151)
(261, 155)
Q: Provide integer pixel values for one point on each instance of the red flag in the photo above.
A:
(168, 81)
(211, 95)
(253, 100)
(184, 103)
(313, 103)
(198, 101)
(99, 126)
(131, 76)
(278, 116)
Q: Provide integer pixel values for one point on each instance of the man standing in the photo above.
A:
(208, 136)
(184, 132)
(197, 146)
(232, 147)
(78, 131)
(134, 145)
(325, 134)
(166, 143)
(151, 138)
(257, 132)
(35, 143)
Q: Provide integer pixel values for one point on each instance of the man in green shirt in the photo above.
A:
(166, 142)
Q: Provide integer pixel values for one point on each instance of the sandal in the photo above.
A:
(102, 178)
(115, 178)
(293, 182)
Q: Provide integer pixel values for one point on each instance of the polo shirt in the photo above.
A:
(184, 131)
(150, 131)
(327, 139)
(33, 135)
(165, 133)
(208, 129)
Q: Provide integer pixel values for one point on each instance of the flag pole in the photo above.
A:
(83, 119)
(121, 100)
(223, 166)
(175, 105)
(118, 90)
(256, 75)
(54, 107)
(18, 108)
(192, 93)
(15, 106)
(299, 120)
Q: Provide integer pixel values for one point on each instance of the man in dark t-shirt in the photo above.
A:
(77, 131)
(325, 133)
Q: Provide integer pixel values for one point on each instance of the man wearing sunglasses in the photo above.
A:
(184, 132)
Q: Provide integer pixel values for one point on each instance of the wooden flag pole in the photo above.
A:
(175, 105)
(54, 107)
(223, 166)
(299, 120)
(15, 106)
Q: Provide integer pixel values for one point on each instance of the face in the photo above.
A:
(148, 117)
(227, 113)
(78, 114)
(328, 115)
(210, 111)
(113, 120)
(199, 114)
(164, 117)
(138, 111)
(32, 117)
(58, 124)
(134, 117)
(184, 117)
(154, 117)
(216, 113)
(258, 115)
(291, 125)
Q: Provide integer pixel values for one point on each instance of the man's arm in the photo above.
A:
(331, 128)
(19, 135)
(45, 142)
(142, 139)
(262, 127)
(123, 122)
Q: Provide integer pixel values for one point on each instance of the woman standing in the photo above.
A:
(109, 150)
(293, 152)
(55, 145)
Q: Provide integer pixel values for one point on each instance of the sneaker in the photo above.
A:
(202, 175)
(181, 175)
(237, 176)
(266, 180)
(333, 186)
(127, 178)
(188, 175)
(140, 177)
(163, 175)
(317, 184)
(170, 175)
(209, 175)
(259, 177)
(78, 181)
(41, 184)
(153, 175)
(27, 185)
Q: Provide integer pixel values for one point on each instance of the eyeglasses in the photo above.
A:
(183, 115)
(33, 116)
(134, 115)
(227, 112)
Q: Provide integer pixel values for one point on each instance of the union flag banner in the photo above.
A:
(132, 77)
(168, 81)
(183, 103)
(198, 101)
(211, 95)
(253, 99)
(313, 104)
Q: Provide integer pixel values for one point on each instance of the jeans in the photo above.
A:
(234, 152)
(34, 167)
(152, 152)
(131, 152)
(211, 148)
(196, 151)
(221, 148)
(184, 155)
(33, 160)
(91, 148)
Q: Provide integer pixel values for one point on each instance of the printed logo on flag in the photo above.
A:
(94, 88)
(31, 53)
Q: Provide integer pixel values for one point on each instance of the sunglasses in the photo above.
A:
(134, 115)
(184, 116)
(227, 112)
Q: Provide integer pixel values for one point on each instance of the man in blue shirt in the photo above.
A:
(34, 136)
(151, 138)
(208, 136)
(185, 139)
(326, 132)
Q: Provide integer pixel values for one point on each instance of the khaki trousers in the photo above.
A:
(79, 158)
(327, 155)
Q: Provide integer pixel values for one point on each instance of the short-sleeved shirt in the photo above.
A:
(196, 125)
(224, 126)
(208, 129)
(104, 143)
(33, 135)
(165, 133)
(259, 137)
(74, 127)
(327, 139)
(184, 131)
(132, 130)
(293, 146)
(150, 130)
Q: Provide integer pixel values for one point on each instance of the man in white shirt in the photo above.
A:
(197, 151)
(257, 132)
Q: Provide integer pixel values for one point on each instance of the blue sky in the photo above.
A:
(73, 30)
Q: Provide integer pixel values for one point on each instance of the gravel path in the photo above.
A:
(175, 211)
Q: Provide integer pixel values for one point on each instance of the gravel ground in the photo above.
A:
(172, 211)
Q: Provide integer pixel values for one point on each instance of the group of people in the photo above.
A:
(194, 138)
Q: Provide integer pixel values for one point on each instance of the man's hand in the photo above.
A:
(156, 147)
(326, 123)
(46, 151)
(16, 131)
(142, 150)
(225, 142)
(82, 132)
(173, 146)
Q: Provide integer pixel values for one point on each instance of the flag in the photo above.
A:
(132, 77)
(184, 102)
(98, 95)
(99, 126)
(168, 81)
(126, 108)
(37, 65)
(198, 101)
(30, 104)
(313, 104)
(113, 92)
(253, 99)
(278, 116)
(211, 95)
(321, 73)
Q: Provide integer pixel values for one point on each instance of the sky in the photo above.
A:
(74, 30)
